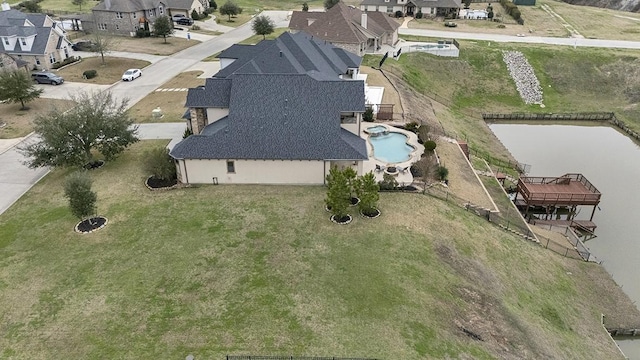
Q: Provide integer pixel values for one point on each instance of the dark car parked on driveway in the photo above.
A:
(184, 21)
(84, 46)
(47, 78)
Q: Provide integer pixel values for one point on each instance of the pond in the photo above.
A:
(611, 161)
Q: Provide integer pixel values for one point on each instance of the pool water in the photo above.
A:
(391, 148)
(378, 129)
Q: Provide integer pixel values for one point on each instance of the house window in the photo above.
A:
(433, 11)
(23, 41)
(118, 15)
(117, 27)
(152, 12)
(52, 58)
(161, 9)
(389, 9)
(231, 167)
(37, 61)
(133, 15)
(102, 26)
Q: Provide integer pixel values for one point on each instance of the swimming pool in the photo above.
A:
(391, 148)
(377, 130)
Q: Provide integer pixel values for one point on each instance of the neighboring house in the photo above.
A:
(428, 8)
(33, 38)
(125, 17)
(347, 27)
(8, 62)
(185, 7)
(280, 112)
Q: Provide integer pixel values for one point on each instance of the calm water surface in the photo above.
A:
(611, 162)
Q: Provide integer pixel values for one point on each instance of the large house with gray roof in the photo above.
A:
(283, 111)
(428, 8)
(32, 38)
(347, 27)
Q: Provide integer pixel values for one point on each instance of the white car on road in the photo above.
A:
(131, 74)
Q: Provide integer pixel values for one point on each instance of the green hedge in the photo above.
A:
(67, 61)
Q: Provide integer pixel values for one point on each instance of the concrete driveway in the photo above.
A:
(69, 88)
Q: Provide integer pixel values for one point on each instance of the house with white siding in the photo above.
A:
(282, 111)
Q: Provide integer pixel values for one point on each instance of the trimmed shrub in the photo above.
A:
(195, 27)
(89, 74)
(501, 26)
(520, 21)
(423, 133)
(443, 172)
(158, 163)
(195, 15)
(213, 5)
(419, 15)
(67, 61)
(142, 33)
(412, 126)
(187, 133)
(429, 145)
(399, 14)
(368, 115)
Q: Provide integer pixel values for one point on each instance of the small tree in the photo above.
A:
(159, 164)
(195, 15)
(388, 182)
(367, 189)
(425, 167)
(467, 3)
(305, 6)
(263, 25)
(103, 43)
(230, 9)
(423, 133)
(328, 4)
(443, 172)
(32, 6)
(78, 3)
(16, 86)
(163, 27)
(368, 115)
(350, 175)
(82, 200)
(338, 193)
(213, 5)
(97, 121)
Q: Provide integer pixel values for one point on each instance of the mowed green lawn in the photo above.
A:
(214, 270)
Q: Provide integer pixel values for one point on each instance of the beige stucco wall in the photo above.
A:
(215, 114)
(353, 128)
(253, 171)
(224, 62)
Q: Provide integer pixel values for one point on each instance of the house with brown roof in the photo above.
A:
(347, 27)
(428, 8)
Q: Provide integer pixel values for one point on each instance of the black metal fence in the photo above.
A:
(512, 222)
(290, 357)
(587, 116)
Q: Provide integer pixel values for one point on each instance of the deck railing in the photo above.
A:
(558, 197)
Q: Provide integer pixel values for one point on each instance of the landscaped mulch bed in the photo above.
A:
(90, 225)
(154, 183)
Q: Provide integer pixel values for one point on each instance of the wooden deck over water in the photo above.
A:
(566, 190)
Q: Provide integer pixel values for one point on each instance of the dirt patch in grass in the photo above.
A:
(109, 73)
(170, 102)
(20, 122)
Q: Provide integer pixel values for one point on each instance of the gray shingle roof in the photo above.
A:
(297, 53)
(215, 93)
(282, 116)
(12, 22)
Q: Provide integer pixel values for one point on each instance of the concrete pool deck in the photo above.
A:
(404, 178)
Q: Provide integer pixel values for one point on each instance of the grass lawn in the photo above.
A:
(66, 6)
(215, 270)
(171, 102)
(252, 40)
(20, 122)
(107, 74)
(150, 45)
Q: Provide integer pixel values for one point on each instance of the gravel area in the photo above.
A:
(522, 73)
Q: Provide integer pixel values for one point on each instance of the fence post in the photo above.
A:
(566, 252)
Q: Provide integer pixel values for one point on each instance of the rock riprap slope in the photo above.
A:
(523, 75)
